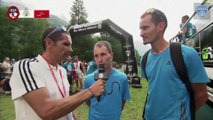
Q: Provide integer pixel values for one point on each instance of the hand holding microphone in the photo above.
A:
(97, 88)
(101, 75)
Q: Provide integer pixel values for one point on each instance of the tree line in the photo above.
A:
(22, 38)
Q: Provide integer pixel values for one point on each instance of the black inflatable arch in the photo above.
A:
(110, 27)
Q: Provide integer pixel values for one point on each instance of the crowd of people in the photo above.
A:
(77, 71)
(42, 87)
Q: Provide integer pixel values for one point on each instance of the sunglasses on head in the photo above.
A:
(156, 12)
(57, 29)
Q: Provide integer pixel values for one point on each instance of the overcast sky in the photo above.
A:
(124, 13)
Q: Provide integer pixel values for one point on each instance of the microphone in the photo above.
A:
(101, 75)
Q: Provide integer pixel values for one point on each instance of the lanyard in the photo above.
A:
(63, 93)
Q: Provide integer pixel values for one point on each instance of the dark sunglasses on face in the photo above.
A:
(57, 29)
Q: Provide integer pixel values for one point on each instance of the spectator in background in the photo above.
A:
(6, 66)
(1, 72)
(12, 62)
(79, 72)
(84, 64)
(2, 80)
(92, 66)
(68, 65)
(7, 73)
(188, 30)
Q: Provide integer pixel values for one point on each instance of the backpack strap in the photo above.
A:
(178, 62)
(144, 60)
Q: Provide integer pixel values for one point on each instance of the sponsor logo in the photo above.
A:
(202, 10)
(13, 13)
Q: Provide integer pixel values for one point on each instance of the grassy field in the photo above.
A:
(132, 111)
(6, 108)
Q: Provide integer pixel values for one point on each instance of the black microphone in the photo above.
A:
(101, 75)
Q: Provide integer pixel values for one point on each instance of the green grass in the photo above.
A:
(132, 111)
(7, 111)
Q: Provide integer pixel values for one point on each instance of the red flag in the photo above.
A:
(41, 13)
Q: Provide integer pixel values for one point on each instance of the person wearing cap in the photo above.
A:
(40, 89)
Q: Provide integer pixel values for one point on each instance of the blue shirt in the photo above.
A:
(92, 66)
(110, 105)
(191, 30)
(68, 67)
(168, 98)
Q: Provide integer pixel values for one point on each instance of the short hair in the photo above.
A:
(103, 43)
(185, 16)
(54, 33)
(157, 16)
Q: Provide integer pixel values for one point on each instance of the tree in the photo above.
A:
(78, 13)
(79, 16)
(30, 36)
(6, 36)
(83, 47)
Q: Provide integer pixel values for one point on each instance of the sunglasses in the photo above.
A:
(57, 29)
(154, 11)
